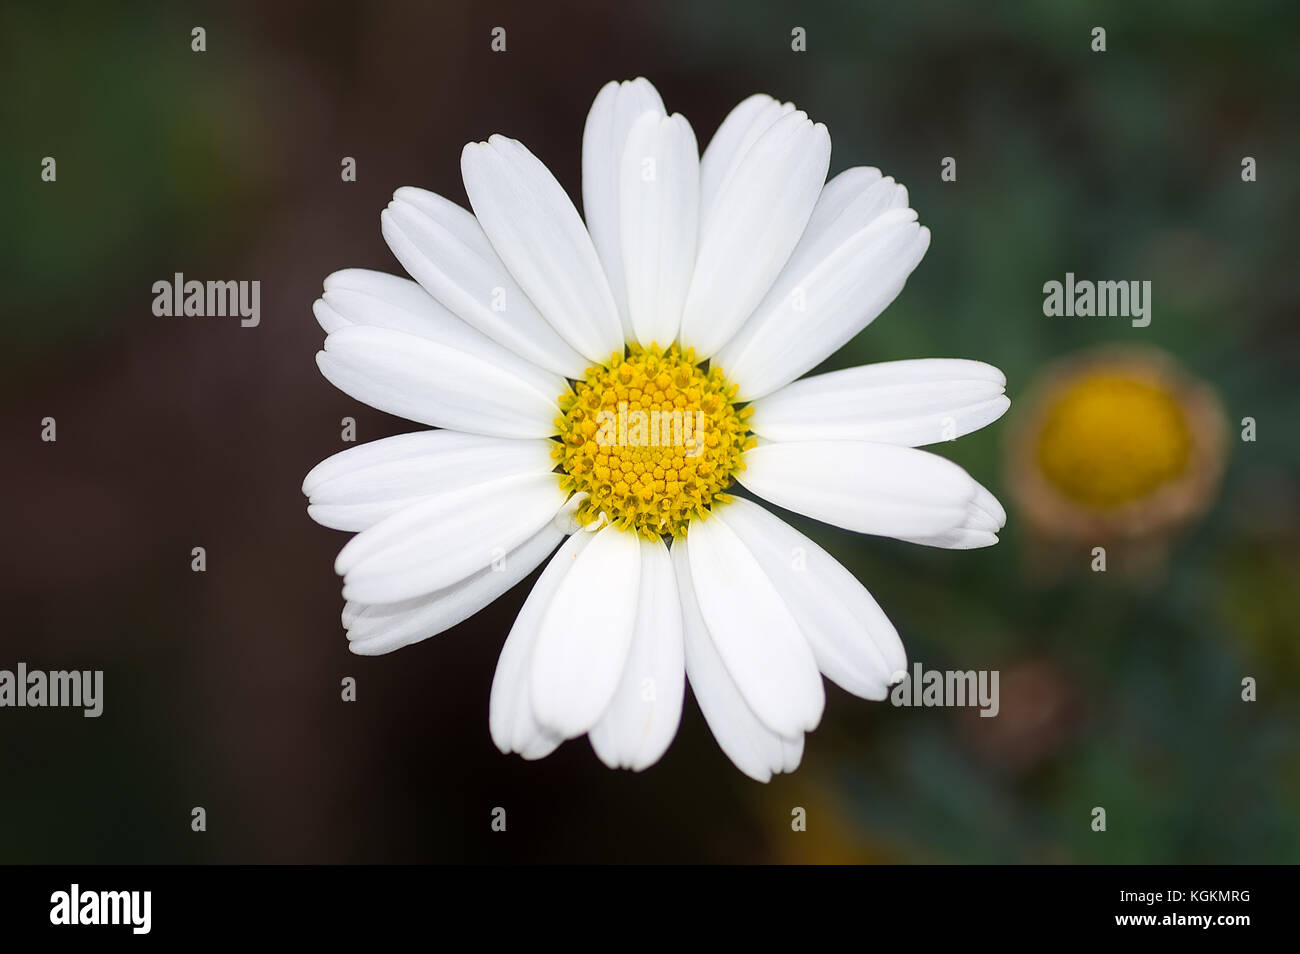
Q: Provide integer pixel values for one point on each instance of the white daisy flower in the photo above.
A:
(600, 388)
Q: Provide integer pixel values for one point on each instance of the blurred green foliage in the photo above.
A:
(156, 156)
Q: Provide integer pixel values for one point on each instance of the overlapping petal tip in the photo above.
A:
(646, 709)
(446, 537)
(758, 190)
(443, 247)
(394, 347)
(356, 488)
(377, 628)
(851, 638)
(980, 525)
(747, 121)
(616, 108)
(585, 633)
(753, 631)
(751, 745)
(658, 223)
(513, 725)
(434, 384)
(861, 243)
(596, 649)
(539, 236)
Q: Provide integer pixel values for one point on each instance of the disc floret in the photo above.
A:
(652, 438)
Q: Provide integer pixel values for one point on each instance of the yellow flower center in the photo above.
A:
(652, 438)
(1111, 439)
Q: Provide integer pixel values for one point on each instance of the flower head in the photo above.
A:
(1116, 446)
(603, 387)
(651, 440)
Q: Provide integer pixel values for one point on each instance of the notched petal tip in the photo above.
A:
(469, 151)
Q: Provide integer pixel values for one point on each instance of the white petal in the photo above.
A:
(748, 234)
(444, 249)
(791, 754)
(381, 628)
(849, 203)
(437, 384)
(363, 296)
(370, 482)
(911, 403)
(440, 541)
(871, 488)
(753, 631)
(387, 450)
(992, 509)
(537, 233)
(357, 296)
(744, 124)
(643, 716)
(822, 302)
(329, 319)
(984, 518)
(754, 748)
(853, 641)
(615, 109)
(585, 633)
(510, 707)
(659, 222)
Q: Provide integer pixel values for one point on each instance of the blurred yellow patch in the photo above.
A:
(1110, 439)
(1115, 445)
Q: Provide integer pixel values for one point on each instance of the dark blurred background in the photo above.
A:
(222, 689)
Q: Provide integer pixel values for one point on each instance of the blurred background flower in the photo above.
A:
(1111, 453)
(223, 688)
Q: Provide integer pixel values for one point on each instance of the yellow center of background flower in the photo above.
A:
(653, 439)
(1111, 439)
